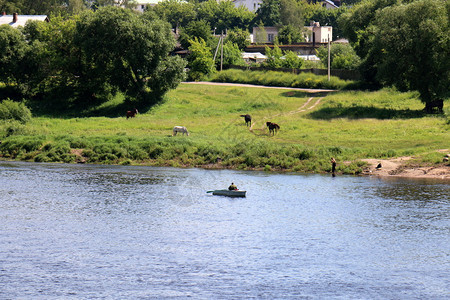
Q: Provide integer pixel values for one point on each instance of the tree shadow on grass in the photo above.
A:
(301, 94)
(364, 112)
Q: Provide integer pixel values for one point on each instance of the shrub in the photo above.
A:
(10, 110)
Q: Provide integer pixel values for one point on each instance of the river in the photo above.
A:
(129, 232)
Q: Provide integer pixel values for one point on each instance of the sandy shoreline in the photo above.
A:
(397, 167)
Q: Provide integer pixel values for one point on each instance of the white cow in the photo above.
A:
(182, 129)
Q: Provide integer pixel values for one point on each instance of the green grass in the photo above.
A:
(347, 125)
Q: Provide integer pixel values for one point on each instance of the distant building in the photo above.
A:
(141, 5)
(251, 5)
(314, 34)
(16, 20)
(319, 34)
(265, 36)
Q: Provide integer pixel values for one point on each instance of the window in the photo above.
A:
(270, 37)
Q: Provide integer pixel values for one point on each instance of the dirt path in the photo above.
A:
(260, 86)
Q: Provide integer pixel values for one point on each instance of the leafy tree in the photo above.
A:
(231, 55)
(196, 29)
(291, 60)
(261, 34)
(10, 6)
(289, 34)
(128, 51)
(239, 37)
(342, 56)
(413, 42)
(358, 25)
(273, 57)
(177, 12)
(13, 48)
(291, 13)
(200, 59)
(269, 12)
(223, 15)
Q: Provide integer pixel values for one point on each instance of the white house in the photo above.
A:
(16, 20)
(141, 5)
(314, 34)
(319, 34)
(251, 5)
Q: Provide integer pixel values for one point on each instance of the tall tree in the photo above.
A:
(177, 12)
(129, 51)
(358, 26)
(13, 49)
(269, 13)
(413, 42)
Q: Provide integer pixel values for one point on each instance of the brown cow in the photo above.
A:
(132, 113)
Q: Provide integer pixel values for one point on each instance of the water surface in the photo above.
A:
(86, 231)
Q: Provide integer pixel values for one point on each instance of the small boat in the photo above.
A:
(228, 193)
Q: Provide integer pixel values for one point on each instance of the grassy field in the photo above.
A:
(349, 126)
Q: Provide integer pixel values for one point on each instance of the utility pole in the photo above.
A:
(329, 58)
(221, 53)
(217, 48)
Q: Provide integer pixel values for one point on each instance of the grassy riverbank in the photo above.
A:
(314, 127)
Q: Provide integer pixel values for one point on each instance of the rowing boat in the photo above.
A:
(228, 193)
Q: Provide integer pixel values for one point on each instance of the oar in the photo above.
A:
(209, 191)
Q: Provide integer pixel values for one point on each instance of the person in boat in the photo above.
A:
(232, 187)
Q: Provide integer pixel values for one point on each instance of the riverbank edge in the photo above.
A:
(382, 168)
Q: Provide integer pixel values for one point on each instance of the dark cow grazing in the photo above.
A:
(248, 120)
(439, 104)
(132, 113)
(273, 127)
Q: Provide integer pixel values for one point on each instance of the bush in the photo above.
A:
(10, 110)
(276, 78)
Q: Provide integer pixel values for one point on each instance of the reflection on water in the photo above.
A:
(87, 231)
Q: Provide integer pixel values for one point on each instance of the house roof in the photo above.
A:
(151, 2)
(330, 3)
(21, 19)
(255, 55)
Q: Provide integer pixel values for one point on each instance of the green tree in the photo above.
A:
(231, 55)
(239, 37)
(269, 13)
(177, 12)
(289, 34)
(291, 13)
(358, 26)
(291, 60)
(261, 35)
(196, 29)
(342, 56)
(200, 59)
(223, 15)
(12, 49)
(274, 57)
(413, 42)
(131, 56)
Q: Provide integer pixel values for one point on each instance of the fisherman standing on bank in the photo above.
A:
(333, 166)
